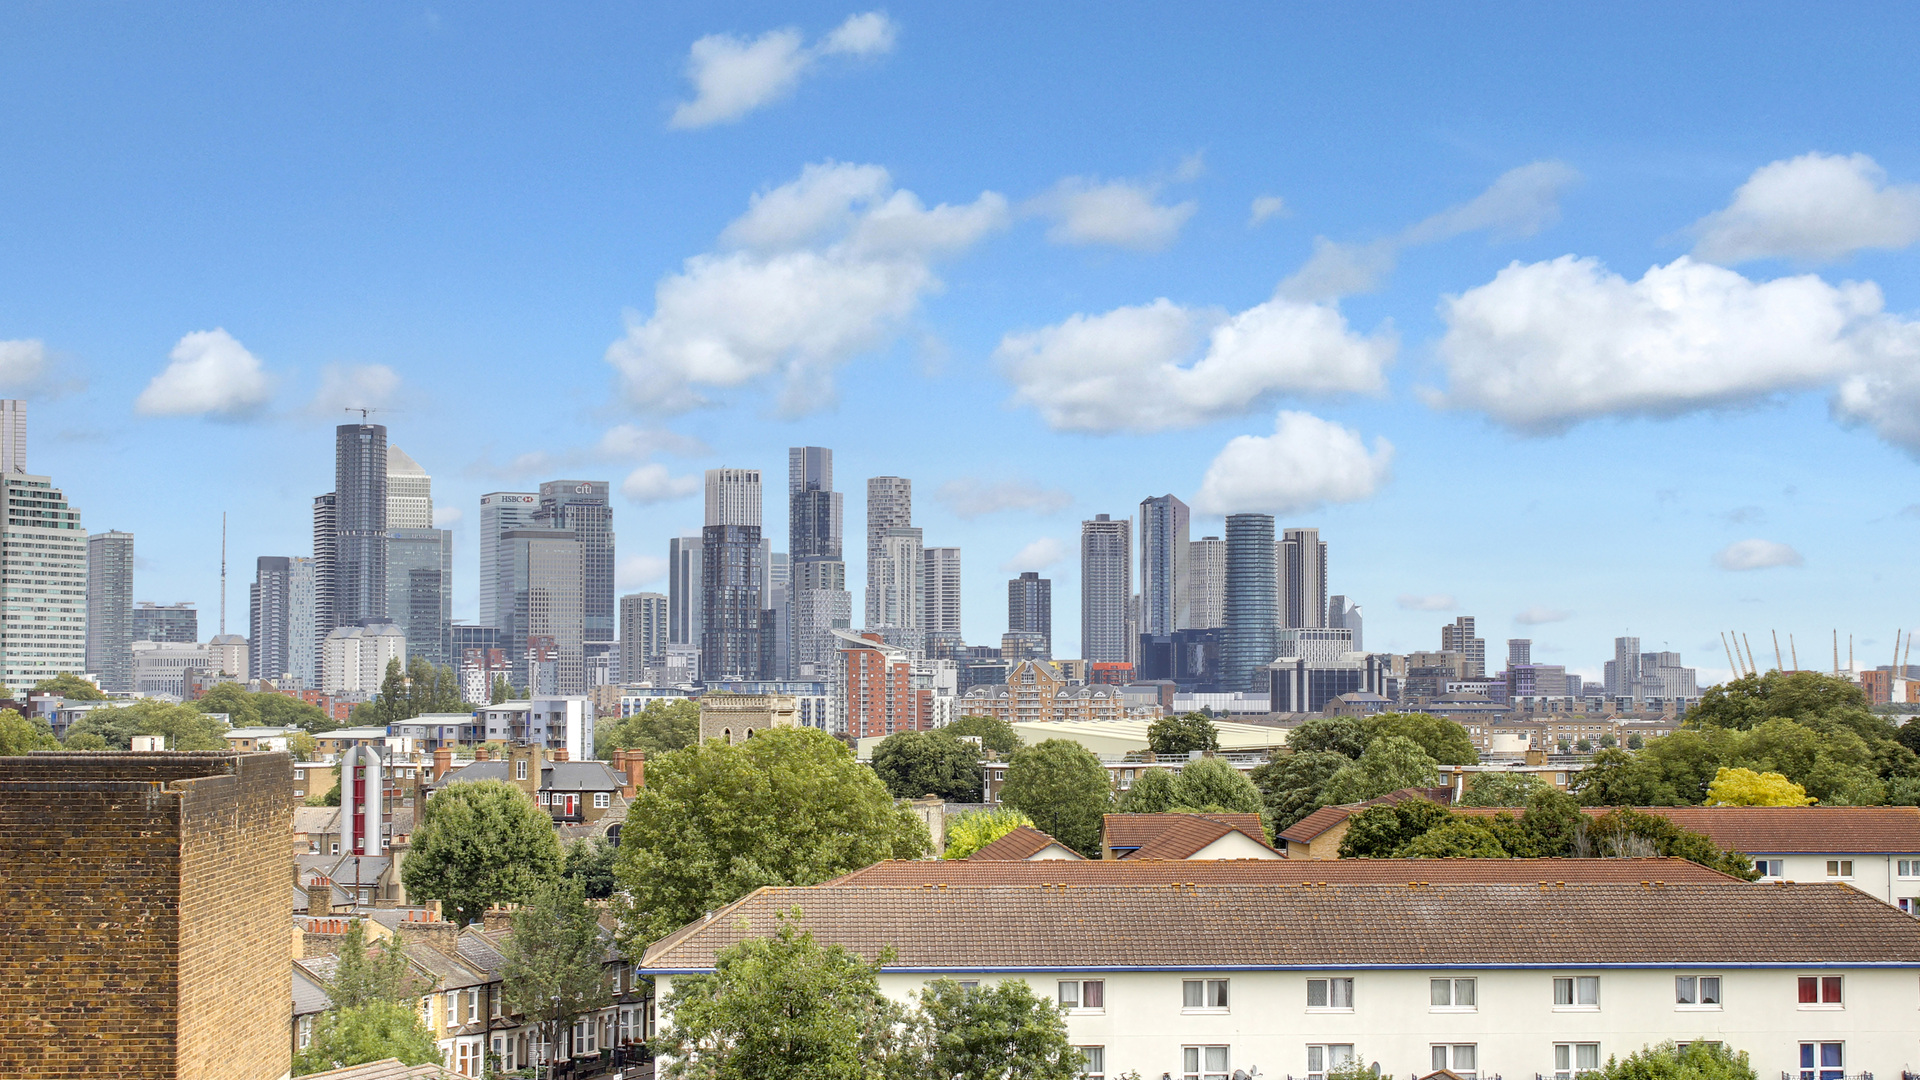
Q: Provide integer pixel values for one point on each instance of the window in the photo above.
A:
(1203, 994)
(303, 1030)
(1452, 994)
(520, 770)
(1699, 991)
(1462, 1058)
(602, 800)
(1578, 992)
(1831, 1061)
(1205, 1063)
(1839, 868)
(1817, 990)
(1078, 994)
(1094, 1062)
(1327, 1056)
(453, 1007)
(473, 1005)
(1906, 867)
(1906, 904)
(969, 984)
(463, 1055)
(1330, 994)
(1570, 1060)
(1771, 868)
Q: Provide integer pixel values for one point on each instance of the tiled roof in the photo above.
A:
(316, 819)
(1786, 830)
(1022, 843)
(384, 1069)
(1010, 928)
(481, 953)
(1304, 830)
(448, 973)
(950, 872)
(309, 993)
(1175, 836)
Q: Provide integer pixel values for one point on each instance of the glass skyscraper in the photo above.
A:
(1252, 601)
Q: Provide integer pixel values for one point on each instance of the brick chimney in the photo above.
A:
(443, 936)
(480, 754)
(560, 754)
(320, 896)
(442, 762)
(635, 766)
(498, 917)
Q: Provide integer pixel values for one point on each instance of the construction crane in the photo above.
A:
(362, 411)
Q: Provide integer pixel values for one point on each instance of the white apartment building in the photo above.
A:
(1200, 982)
(353, 659)
(160, 667)
(43, 573)
(555, 722)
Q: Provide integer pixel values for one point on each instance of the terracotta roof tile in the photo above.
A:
(1174, 836)
(1304, 830)
(1283, 871)
(1023, 842)
(1785, 830)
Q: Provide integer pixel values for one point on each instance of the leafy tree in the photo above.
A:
(1214, 784)
(1461, 838)
(789, 806)
(1608, 742)
(660, 728)
(501, 691)
(1343, 735)
(480, 843)
(1635, 742)
(1378, 832)
(1699, 1061)
(916, 763)
(279, 710)
(553, 973)
(1584, 746)
(302, 745)
(233, 699)
(994, 734)
(1389, 763)
(411, 690)
(1291, 785)
(1152, 793)
(1445, 741)
(69, 686)
(1500, 789)
(974, 830)
(1182, 734)
(363, 979)
(1750, 700)
(1000, 1031)
(85, 740)
(18, 735)
(589, 865)
(1063, 788)
(1744, 787)
(1625, 831)
(1551, 828)
(372, 1032)
(782, 1008)
(184, 727)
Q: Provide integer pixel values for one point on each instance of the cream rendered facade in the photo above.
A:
(1892, 878)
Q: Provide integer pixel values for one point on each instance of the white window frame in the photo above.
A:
(1446, 1055)
(1208, 988)
(1908, 868)
(1198, 1054)
(1566, 1060)
(1333, 990)
(1095, 1061)
(303, 1031)
(1771, 869)
(1078, 1006)
(1840, 868)
(1820, 989)
(1573, 985)
(520, 769)
(1329, 1055)
(1453, 985)
(602, 800)
(473, 1005)
(1820, 1071)
(1695, 985)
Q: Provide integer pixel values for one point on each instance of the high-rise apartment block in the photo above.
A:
(324, 564)
(1030, 610)
(1206, 602)
(1344, 614)
(177, 623)
(583, 508)
(643, 633)
(1252, 602)
(1106, 589)
(270, 618)
(818, 601)
(1164, 551)
(889, 507)
(731, 577)
(940, 615)
(13, 435)
(354, 659)
(733, 497)
(880, 696)
(43, 584)
(360, 524)
(1302, 560)
(1519, 652)
(109, 606)
(303, 648)
(683, 590)
(815, 512)
(1457, 637)
(501, 512)
(896, 580)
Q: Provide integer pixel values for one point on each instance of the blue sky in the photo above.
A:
(1556, 318)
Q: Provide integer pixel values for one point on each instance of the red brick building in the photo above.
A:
(880, 695)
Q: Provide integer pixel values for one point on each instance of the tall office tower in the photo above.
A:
(1303, 578)
(13, 435)
(501, 512)
(1622, 674)
(940, 610)
(1457, 636)
(1519, 652)
(582, 507)
(360, 524)
(546, 628)
(683, 590)
(1206, 602)
(1344, 614)
(409, 492)
(1106, 588)
(889, 506)
(324, 563)
(897, 587)
(733, 497)
(109, 606)
(270, 618)
(1164, 549)
(730, 604)
(178, 624)
(1030, 609)
(643, 633)
(818, 601)
(815, 511)
(1252, 602)
(303, 649)
(43, 605)
(821, 605)
(777, 595)
(420, 591)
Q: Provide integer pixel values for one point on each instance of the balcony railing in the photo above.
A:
(1834, 1074)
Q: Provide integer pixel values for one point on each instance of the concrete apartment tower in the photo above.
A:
(360, 524)
(324, 562)
(683, 589)
(1252, 608)
(270, 618)
(1457, 636)
(643, 633)
(1164, 553)
(110, 609)
(940, 611)
(1206, 601)
(43, 555)
(1106, 589)
(1030, 609)
(889, 506)
(303, 649)
(733, 576)
(1302, 560)
(1344, 614)
(13, 435)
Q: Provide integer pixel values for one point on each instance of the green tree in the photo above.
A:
(1744, 787)
(1583, 746)
(971, 831)
(18, 735)
(782, 1008)
(233, 699)
(1063, 788)
(1378, 832)
(660, 728)
(1635, 742)
(1443, 740)
(1291, 785)
(1151, 793)
(998, 1031)
(1500, 789)
(589, 864)
(1551, 828)
(480, 843)
(1624, 831)
(1389, 763)
(1182, 734)
(85, 740)
(700, 834)
(374, 1032)
(184, 727)
(301, 745)
(995, 735)
(363, 978)
(554, 960)
(1343, 735)
(69, 686)
(1461, 838)
(1701, 1060)
(1213, 784)
(1750, 700)
(501, 691)
(916, 763)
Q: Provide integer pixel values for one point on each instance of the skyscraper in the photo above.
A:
(818, 600)
(1344, 614)
(940, 613)
(1206, 603)
(409, 492)
(683, 590)
(730, 580)
(360, 524)
(733, 497)
(897, 585)
(1457, 636)
(546, 626)
(1252, 602)
(1030, 608)
(643, 633)
(814, 510)
(1519, 652)
(420, 591)
(109, 604)
(270, 618)
(303, 648)
(1303, 578)
(1106, 588)
(777, 595)
(43, 556)
(323, 573)
(889, 506)
(177, 624)
(13, 436)
(821, 605)
(501, 512)
(1164, 549)
(1621, 675)
(582, 508)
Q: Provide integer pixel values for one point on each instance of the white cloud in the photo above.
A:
(1122, 213)
(345, 387)
(1307, 462)
(1265, 208)
(634, 571)
(819, 270)
(22, 363)
(209, 373)
(970, 498)
(626, 442)
(1535, 616)
(1756, 555)
(1038, 555)
(652, 483)
(1427, 602)
(1335, 270)
(1813, 207)
(1546, 345)
(1887, 399)
(1134, 369)
(446, 517)
(732, 76)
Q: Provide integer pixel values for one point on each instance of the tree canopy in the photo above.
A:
(993, 1031)
(916, 763)
(994, 734)
(660, 728)
(1214, 785)
(589, 863)
(1063, 787)
(264, 708)
(1701, 1060)
(1150, 793)
(480, 843)
(1291, 784)
(554, 971)
(19, 735)
(789, 806)
(184, 727)
(971, 831)
(374, 1032)
(413, 689)
(1388, 764)
(362, 978)
(1182, 734)
(1744, 787)
(69, 686)
(1501, 789)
